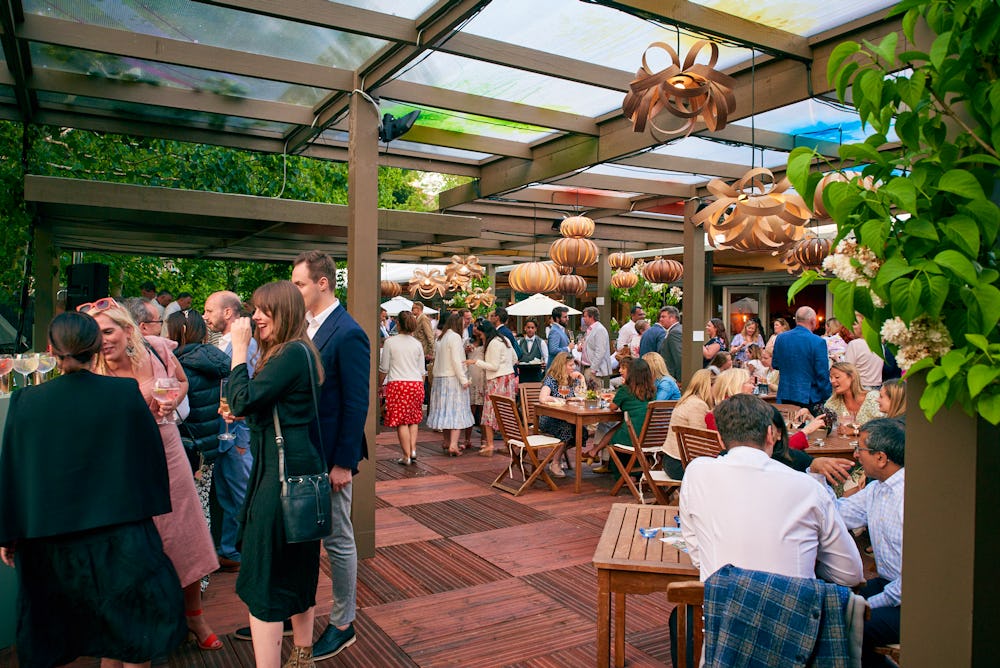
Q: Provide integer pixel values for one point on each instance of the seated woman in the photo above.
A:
(561, 373)
(729, 383)
(690, 411)
(848, 401)
(632, 397)
(892, 398)
(721, 361)
(666, 386)
(754, 363)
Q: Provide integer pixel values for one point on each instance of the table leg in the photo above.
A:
(619, 630)
(603, 618)
(579, 456)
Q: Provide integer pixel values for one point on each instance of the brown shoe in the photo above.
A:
(228, 565)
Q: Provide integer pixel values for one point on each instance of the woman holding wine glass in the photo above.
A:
(83, 489)
(851, 404)
(186, 539)
(562, 379)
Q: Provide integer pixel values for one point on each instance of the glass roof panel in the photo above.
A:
(202, 23)
(106, 66)
(630, 171)
(815, 120)
(505, 83)
(340, 137)
(154, 113)
(800, 17)
(442, 119)
(587, 32)
(408, 9)
(703, 149)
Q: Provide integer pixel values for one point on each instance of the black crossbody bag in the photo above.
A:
(305, 499)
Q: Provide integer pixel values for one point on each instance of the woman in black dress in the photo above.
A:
(82, 473)
(277, 579)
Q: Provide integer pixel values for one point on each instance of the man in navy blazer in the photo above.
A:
(343, 408)
(558, 338)
(802, 359)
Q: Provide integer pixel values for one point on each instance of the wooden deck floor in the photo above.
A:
(463, 575)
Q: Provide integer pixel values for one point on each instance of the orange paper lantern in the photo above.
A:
(624, 280)
(807, 254)
(391, 289)
(427, 284)
(564, 271)
(663, 271)
(572, 285)
(622, 261)
(573, 252)
(577, 227)
(532, 277)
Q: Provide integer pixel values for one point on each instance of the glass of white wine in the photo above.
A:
(224, 409)
(26, 364)
(166, 390)
(46, 363)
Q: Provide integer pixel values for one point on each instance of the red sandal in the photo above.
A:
(212, 642)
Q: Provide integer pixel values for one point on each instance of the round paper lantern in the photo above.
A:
(532, 277)
(391, 289)
(622, 261)
(624, 280)
(564, 271)
(663, 271)
(572, 285)
(577, 227)
(807, 254)
(573, 252)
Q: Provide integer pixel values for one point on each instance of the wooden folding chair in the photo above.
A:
(529, 397)
(526, 445)
(697, 443)
(649, 443)
(688, 595)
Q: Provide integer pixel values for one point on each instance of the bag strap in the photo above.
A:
(279, 440)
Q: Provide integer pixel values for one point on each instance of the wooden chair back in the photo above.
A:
(649, 440)
(522, 447)
(688, 596)
(529, 397)
(697, 443)
(657, 424)
(511, 426)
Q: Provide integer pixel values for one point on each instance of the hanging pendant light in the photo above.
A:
(624, 280)
(622, 261)
(572, 284)
(427, 284)
(663, 271)
(391, 289)
(462, 270)
(532, 277)
(575, 249)
(807, 254)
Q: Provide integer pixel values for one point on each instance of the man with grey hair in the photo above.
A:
(671, 345)
(596, 347)
(145, 314)
(801, 357)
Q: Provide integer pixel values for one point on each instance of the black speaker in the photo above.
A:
(85, 283)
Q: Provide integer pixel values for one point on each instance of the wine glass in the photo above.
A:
(26, 364)
(564, 391)
(6, 366)
(46, 363)
(166, 390)
(224, 407)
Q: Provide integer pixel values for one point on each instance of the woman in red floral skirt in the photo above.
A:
(402, 365)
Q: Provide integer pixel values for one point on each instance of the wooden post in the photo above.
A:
(694, 292)
(363, 290)
(45, 267)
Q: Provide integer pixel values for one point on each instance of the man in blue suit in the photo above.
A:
(343, 408)
(802, 359)
(558, 338)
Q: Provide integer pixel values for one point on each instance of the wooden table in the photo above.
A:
(836, 446)
(574, 413)
(627, 563)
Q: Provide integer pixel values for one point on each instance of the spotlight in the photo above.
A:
(394, 128)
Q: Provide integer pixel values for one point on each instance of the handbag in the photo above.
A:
(305, 499)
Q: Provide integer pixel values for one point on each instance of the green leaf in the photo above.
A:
(980, 158)
(871, 336)
(886, 49)
(892, 269)
(920, 364)
(988, 297)
(987, 214)
(844, 80)
(903, 193)
(988, 407)
(843, 301)
(962, 231)
(871, 86)
(962, 183)
(874, 234)
(979, 377)
(839, 54)
(860, 152)
(900, 299)
(921, 228)
(804, 280)
(952, 362)
(933, 398)
(935, 293)
(798, 170)
(940, 49)
(957, 264)
(979, 341)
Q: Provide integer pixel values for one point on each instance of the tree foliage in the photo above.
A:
(932, 220)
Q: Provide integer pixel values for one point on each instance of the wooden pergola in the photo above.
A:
(522, 96)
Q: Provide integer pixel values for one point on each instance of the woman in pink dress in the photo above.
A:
(186, 539)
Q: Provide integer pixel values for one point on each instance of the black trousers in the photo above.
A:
(881, 629)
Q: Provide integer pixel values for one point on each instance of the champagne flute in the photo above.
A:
(166, 390)
(224, 407)
(46, 363)
(26, 364)
(6, 366)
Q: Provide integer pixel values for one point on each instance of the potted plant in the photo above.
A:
(591, 399)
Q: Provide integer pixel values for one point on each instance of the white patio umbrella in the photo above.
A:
(537, 304)
(397, 304)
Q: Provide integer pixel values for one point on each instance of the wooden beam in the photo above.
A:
(670, 163)
(17, 57)
(710, 21)
(629, 184)
(468, 142)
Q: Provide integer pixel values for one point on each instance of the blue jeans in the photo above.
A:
(343, 554)
(229, 478)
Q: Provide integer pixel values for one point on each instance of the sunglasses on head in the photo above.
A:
(98, 306)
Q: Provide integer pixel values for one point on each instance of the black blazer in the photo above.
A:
(79, 452)
(343, 400)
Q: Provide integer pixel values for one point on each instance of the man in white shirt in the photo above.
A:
(231, 471)
(858, 353)
(753, 512)
(596, 347)
(182, 303)
(627, 330)
(534, 353)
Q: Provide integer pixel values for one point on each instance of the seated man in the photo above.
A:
(753, 512)
(879, 506)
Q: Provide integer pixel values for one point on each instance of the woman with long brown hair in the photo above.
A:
(125, 353)
(277, 579)
(718, 340)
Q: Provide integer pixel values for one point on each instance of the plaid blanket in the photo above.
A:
(754, 618)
